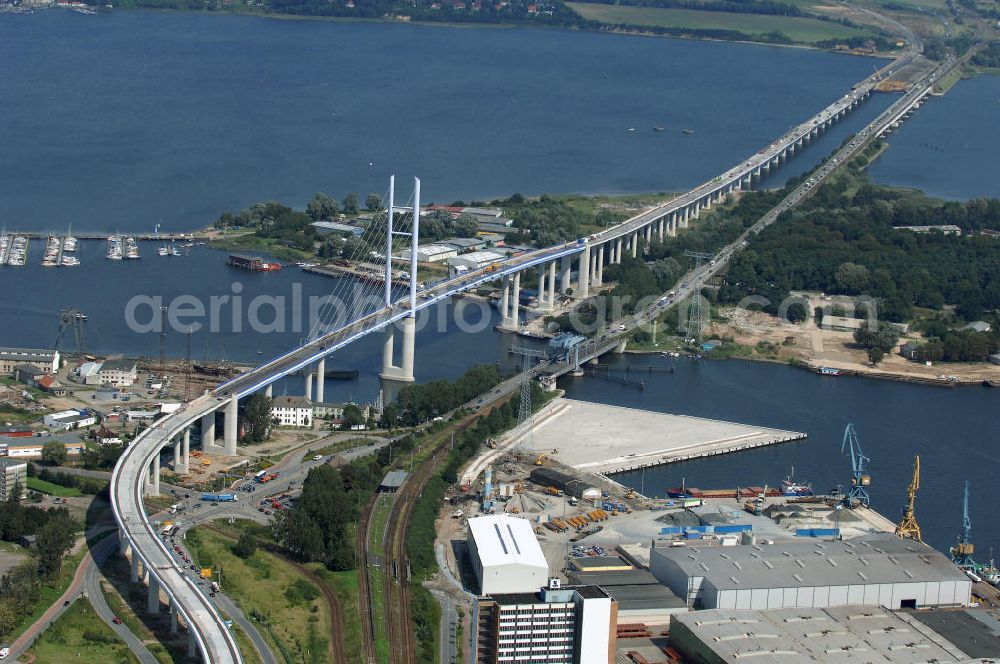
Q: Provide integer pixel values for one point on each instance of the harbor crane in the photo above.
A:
(859, 465)
(961, 553)
(696, 324)
(72, 320)
(908, 526)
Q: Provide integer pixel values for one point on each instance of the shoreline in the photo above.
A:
(601, 28)
(803, 364)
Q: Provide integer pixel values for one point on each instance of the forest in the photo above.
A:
(843, 243)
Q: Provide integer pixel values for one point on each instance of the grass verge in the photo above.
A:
(345, 585)
(78, 635)
(49, 594)
(42, 486)
(288, 609)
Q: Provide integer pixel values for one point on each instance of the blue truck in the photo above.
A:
(219, 497)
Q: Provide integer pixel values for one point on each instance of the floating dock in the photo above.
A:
(604, 439)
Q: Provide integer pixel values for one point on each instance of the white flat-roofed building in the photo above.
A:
(875, 570)
(119, 373)
(70, 419)
(505, 555)
(431, 253)
(556, 625)
(46, 360)
(476, 260)
(326, 227)
(33, 450)
(292, 411)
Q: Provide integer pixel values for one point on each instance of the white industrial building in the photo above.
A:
(292, 411)
(47, 360)
(879, 570)
(505, 555)
(476, 260)
(70, 419)
(431, 253)
(824, 636)
(553, 625)
(118, 373)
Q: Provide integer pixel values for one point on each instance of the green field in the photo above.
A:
(796, 28)
(42, 486)
(78, 635)
(345, 585)
(266, 588)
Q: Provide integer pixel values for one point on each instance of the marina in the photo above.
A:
(601, 445)
(59, 251)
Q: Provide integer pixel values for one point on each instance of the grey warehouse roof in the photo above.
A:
(846, 634)
(878, 558)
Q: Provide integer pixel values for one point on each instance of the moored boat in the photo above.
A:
(790, 487)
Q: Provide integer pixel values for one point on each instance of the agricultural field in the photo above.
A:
(797, 28)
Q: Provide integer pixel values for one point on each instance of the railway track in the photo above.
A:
(338, 653)
(402, 641)
(364, 585)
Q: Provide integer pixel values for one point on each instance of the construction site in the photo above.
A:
(593, 531)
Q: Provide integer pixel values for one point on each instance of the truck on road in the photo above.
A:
(219, 497)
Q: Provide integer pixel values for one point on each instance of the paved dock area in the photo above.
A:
(607, 439)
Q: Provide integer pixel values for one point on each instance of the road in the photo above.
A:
(22, 643)
(92, 585)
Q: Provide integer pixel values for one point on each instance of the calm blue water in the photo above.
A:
(119, 120)
(949, 147)
(953, 430)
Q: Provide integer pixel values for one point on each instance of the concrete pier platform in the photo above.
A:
(607, 439)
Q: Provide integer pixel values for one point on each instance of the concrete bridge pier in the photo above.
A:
(178, 451)
(660, 227)
(583, 275)
(192, 645)
(134, 574)
(208, 431)
(552, 285)
(510, 303)
(152, 594)
(185, 466)
(309, 385)
(566, 265)
(269, 391)
(541, 287)
(600, 266)
(173, 619)
(320, 379)
(230, 434)
(153, 485)
(404, 371)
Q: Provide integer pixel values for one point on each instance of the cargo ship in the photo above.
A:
(252, 263)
